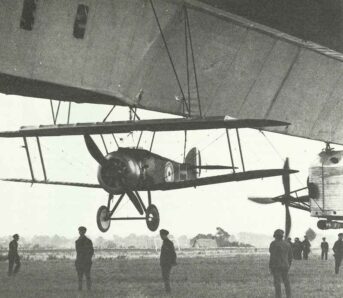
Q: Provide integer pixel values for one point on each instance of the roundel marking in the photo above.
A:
(169, 172)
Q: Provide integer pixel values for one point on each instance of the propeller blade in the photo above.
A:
(288, 223)
(285, 179)
(133, 198)
(94, 150)
(262, 200)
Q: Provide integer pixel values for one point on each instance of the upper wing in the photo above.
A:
(127, 126)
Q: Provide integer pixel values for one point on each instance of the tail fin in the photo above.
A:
(193, 158)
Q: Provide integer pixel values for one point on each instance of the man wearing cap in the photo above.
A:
(306, 248)
(280, 262)
(338, 252)
(13, 257)
(297, 249)
(167, 258)
(84, 253)
(325, 248)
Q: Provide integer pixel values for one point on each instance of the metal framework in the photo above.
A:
(119, 200)
(230, 149)
(55, 114)
(26, 146)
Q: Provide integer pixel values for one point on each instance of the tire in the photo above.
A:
(152, 218)
(101, 219)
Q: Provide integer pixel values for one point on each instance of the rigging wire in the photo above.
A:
(279, 155)
(169, 55)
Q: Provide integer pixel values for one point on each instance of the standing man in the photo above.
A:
(167, 258)
(306, 248)
(280, 262)
(13, 257)
(84, 253)
(325, 248)
(338, 252)
(297, 249)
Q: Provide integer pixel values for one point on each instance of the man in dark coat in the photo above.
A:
(338, 252)
(306, 248)
(325, 248)
(84, 253)
(280, 262)
(13, 257)
(167, 258)
(297, 249)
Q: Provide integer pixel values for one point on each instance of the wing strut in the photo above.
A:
(30, 161)
(41, 158)
(109, 113)
(152, 141)
(55, 115)
(230, 149)
(29, 158)
(240, 149)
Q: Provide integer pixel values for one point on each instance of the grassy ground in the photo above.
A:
(239, 276)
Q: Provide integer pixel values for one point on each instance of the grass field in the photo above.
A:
(236, 276)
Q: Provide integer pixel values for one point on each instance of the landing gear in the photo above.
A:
(152, 218)
(105, 213)
(102, 219)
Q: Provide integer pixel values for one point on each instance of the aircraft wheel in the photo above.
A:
(102, 219)
(152, 218)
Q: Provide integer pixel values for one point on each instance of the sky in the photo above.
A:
(49, 210)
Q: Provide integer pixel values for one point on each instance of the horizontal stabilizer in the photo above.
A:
(139, 125)
(262, 200)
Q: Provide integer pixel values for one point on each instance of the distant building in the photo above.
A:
(205, 243)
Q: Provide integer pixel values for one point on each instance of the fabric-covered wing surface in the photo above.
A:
(250, 71)
(245, 70)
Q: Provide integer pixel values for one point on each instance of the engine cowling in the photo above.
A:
(120, 172)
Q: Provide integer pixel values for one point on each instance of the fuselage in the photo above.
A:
(326, 185)
(129, 168)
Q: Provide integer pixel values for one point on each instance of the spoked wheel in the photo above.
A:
(102, 219)
(152, 218)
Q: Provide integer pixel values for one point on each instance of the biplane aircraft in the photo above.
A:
(322, 197)
(185, 58)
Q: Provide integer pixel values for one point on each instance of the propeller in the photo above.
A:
(262, 200)
(286, 198)
(113, 171)
(94, 150)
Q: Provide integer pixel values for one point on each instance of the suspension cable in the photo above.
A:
(278, 153)
(193, 61)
